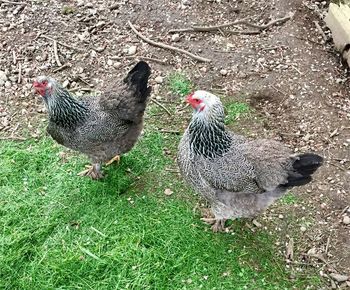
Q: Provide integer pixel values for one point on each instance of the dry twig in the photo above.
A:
(165, 46)
(60, 43)
(19, 73)
(56, 53)
(236, 22)
(66, 65)
(139, 57)
(13, 138)
(170, 131)
(12, 2)
(162, 106)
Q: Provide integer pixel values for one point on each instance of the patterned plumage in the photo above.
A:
(239, 177)
(101, 127)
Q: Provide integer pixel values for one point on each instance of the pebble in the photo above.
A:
(3, 76)
(65, 83)
(223, 72)
(159, 80)
(168, 191)
(132, 50)
(338, 277)
(346, 220)
(175, 37)
(303, 229)
(7, 84)
(110, 62)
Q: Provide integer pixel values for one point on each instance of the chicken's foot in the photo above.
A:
(93, 171)
(218, 225)
(114, 159)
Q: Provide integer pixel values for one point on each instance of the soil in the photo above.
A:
(289, 73)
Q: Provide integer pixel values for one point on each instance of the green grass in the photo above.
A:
(179, 84)
(289, 198)
(61, 231)
(235, 110)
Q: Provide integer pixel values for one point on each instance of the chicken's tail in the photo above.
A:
(303, 167)
(138, 78)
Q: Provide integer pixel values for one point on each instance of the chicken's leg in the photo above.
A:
(218, 225)
(114, 159)
(93, 171)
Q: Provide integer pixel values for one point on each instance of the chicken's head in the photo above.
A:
(202, 101)
(43, 85)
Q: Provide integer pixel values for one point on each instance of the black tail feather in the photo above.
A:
(303, 168)
(138, 77)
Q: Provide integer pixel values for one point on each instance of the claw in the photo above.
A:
(218, 225)
(93, 172)
(114, 159)
(209, 221)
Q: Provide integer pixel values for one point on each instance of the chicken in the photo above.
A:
(238, 177)
(102, 127)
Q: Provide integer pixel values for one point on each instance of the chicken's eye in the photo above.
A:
(44, 83)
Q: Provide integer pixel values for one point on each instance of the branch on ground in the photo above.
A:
(165, 46)
(259, 28)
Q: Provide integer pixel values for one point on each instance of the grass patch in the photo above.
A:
(235, 110)
(61, 231)
(179, 84)
(289, 198)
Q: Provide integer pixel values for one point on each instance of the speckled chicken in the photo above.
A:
(102, 127)
(238, 177)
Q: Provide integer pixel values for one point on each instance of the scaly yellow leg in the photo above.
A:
(114, 159)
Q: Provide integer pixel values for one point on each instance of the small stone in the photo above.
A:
(159, 79)
(339, 277)
(117, 64)
(346, 220)
(100, 24)
(110, 62)
(7, 84)
(65, 84)
(168, 191)
(175, 37)
(223, 72)
(280, 216)
(132, 50)
(307, 137)
(303, 229)
(3, 76)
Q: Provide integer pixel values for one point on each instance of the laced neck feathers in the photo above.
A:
(207, 134)
(64, 110)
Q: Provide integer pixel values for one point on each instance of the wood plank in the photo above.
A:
(338, 21)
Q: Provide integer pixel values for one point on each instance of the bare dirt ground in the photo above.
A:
(293, 79)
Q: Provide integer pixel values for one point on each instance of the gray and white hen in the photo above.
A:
(102, 127)
(239, 177)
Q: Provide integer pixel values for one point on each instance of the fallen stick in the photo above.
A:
(19, 73)
(13, 138)
(12, 2)
(60, 43)
(138, 57)
(236, 22)
(66, 65)
(162, 106)
(165, 46)
(248, 32)
(55, 52)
